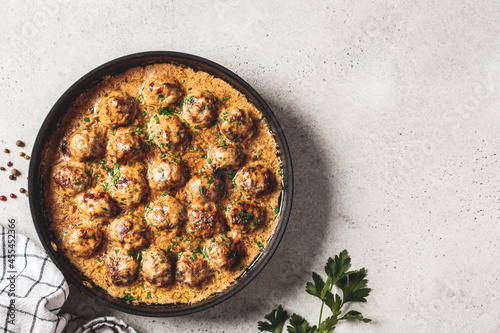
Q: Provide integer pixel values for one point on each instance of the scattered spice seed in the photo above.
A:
(22, 154)
(26, 157)
(15, 172)
(12, 195)
(9, 163)
(3, 197)
(26, 193)
(6, 151)
(12, 177)
(2, 168)
(22, 190)
(19, 143)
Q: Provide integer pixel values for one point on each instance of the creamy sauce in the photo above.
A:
(65, 209)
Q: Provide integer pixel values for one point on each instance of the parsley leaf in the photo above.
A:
(353, 286)
(355, 315)
(316, 288)
(277, 319)
(335, 268)
(300, 325)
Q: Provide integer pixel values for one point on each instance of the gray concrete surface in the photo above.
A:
(391, 110)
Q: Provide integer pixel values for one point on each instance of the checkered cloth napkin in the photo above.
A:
(33, 290)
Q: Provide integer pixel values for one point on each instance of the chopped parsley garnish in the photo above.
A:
(259, 244)
(129, 297)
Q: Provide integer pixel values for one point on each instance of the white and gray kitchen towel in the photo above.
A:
(33, 290)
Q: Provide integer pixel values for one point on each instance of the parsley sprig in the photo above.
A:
(353, 287)
(277, 319)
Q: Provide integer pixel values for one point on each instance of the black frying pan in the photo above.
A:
(35, 182)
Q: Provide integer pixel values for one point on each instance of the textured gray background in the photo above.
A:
(391, 110)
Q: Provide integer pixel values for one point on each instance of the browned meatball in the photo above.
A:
(71, 177)
(83, 240)
(84, 145)
(166, 213)
(95, 204)
(161, 94)
(199, 109)
(256, 180)
(227, 157)
(244, 216)
(128, 186)
(204, 188)
(224, 252)
(128, 233)
(167, 173)
(236, 124)
(123, 145)
(157, 267)
(115, 109)
(192, 269)
(168, 133)
(205, 222)
(122, 267)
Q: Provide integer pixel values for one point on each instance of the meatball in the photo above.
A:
(168, 133)
(84, 145)
(224, 252)
(244, 216)
(192, 269)
(236, 124)
(166, 174)
(128, 233)
(123, 145)
(122, 267)
(71, 177)
(255, 180)
(205, 222)
(162, 94)
(226, 157)
(115, 109)
(157, 267)
(128, 186)
(167, 213)
(97, 204)
(204, 188)
(199, 109)
(83, 240)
